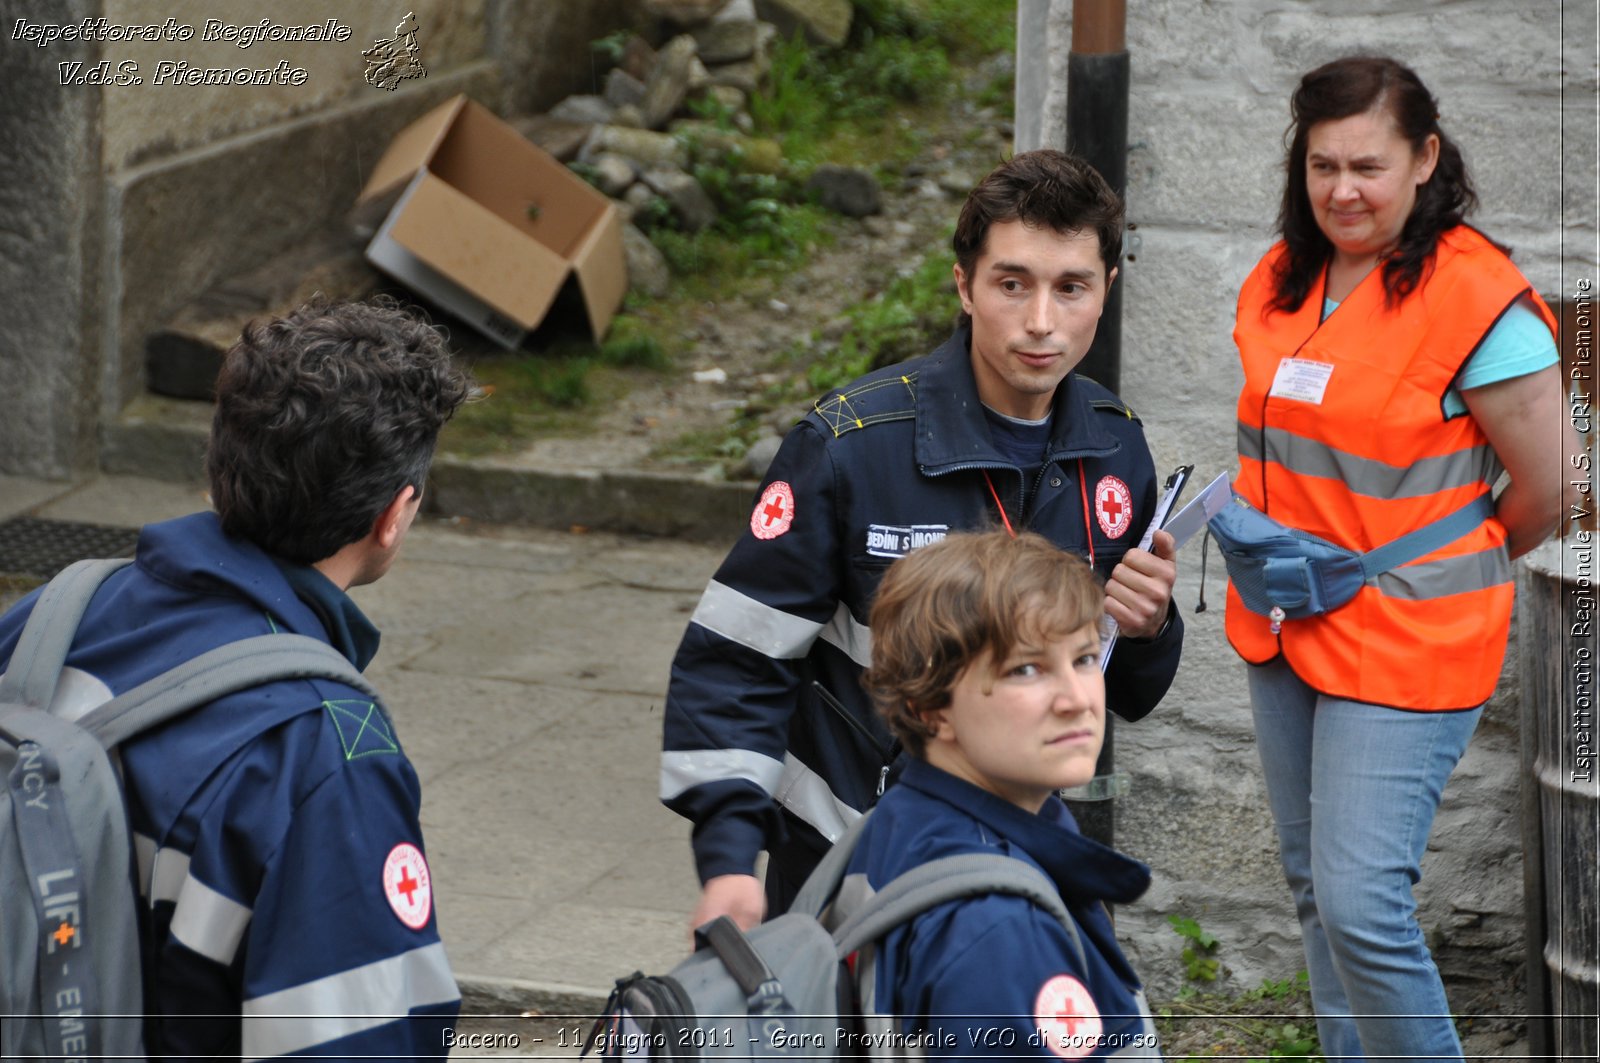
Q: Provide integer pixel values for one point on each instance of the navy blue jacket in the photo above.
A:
(996, 975)
(770, 665)
(280, 861)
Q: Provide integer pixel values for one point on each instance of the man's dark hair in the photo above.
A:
(1042, 189)
(1341, 89)
(321, 418)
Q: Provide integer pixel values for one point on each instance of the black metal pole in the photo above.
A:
(1097, 132)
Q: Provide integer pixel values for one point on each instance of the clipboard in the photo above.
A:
(1171, 491)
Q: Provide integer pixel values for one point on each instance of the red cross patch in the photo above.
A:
(774, 511)
(408, 886)
(1113, 505)
(1066, 1017)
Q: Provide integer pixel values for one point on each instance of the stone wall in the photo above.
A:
(1208, 108)
(126, 200)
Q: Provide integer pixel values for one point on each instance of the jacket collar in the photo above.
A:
(1083, 870)
(952, 433)
(194, 553)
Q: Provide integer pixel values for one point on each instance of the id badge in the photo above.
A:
(1302, 380)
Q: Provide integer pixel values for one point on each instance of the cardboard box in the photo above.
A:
(492, 228)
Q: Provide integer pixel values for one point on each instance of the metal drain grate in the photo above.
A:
(32, 548)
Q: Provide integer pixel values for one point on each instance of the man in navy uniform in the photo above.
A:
(770, 742)
(284, 896)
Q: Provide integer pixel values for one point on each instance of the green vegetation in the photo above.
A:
(910, 316)
(866, 104)
(1273, 1021)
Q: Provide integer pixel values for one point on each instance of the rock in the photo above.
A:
(623, 88)
(644, 147)
(728, 98)
(699, 76)
(760, 154)
(647, 267)
(878, 226)
(688, 200)
(718, 375)
(613, 173)
(637, 58)
(629, 116)
(754, 154)
(591, 109)
(562, 139)
(849, 190)
(728, 42)
(759, 457)
(684, 12)
(825, 22)
(669, 79)
(736, 11)
(747, 76)
(638, 197)
(956, 183)
(779, 307)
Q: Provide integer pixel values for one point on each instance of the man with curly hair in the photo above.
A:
(280, 865)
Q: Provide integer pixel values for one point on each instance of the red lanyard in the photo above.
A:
(1083, 490)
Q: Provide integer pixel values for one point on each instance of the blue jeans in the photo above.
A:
(1353, 789)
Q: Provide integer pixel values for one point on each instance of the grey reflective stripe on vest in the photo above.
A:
(808, 795)
(203, 920)
(849, 635)
(1367, 476)
(789, 782)
(206, 922)
(755, 625)
(685, 769)
(1450, 575)
(362, 998)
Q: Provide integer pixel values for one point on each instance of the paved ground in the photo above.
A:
(525, 670)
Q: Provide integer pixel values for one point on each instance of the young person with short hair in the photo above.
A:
(985, 665)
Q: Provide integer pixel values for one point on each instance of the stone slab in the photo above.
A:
(20, 494)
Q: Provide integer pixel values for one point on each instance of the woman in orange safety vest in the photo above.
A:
(1395, 363)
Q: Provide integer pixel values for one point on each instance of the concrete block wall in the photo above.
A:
(126, 200)
(1208, 107)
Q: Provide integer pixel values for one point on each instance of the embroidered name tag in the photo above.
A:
(898, 540)
(1301, 380)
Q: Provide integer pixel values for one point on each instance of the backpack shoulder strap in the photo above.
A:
(824, 880)
(46, 638)
(949, 879)
(225, 670)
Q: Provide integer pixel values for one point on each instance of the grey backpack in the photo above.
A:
(70, 983)
(785, 989)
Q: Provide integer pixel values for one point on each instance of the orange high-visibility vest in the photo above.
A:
(1352, 444)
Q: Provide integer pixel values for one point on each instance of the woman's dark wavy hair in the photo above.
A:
(321, 418)
(1045, 189)
(1350, 86)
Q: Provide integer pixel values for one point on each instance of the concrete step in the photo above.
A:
(164, 439)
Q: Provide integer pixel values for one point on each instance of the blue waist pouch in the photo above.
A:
(1287, 574)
